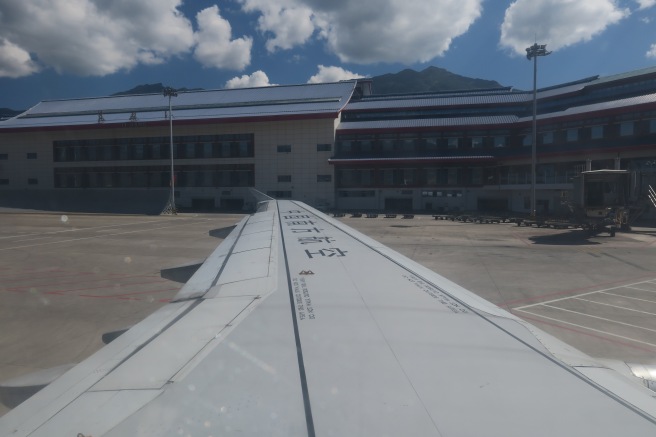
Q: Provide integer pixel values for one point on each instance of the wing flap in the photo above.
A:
(155, 364)
(38, 409)
(96, 413)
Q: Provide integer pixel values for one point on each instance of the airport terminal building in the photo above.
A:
(334, 146)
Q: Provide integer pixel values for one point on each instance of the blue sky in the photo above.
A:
(57, 49)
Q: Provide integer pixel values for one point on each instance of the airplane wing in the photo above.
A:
(298, 325)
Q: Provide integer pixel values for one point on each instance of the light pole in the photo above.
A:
(170, 92)
(532, 53)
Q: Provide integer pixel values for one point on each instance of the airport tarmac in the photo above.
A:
(65, 279)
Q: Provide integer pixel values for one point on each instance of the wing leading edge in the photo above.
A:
(300, 325)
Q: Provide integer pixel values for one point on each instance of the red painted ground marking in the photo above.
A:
(110, 297)
(589, 334)
(165, 300)
(572, 291)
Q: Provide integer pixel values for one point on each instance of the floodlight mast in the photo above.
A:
(532, 53)
(170, 92)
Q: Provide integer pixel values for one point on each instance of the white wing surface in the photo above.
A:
(299, 325)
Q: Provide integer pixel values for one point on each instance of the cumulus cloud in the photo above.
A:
(558, 23)
(290, 24)
(14, 61)
(215, 46)
(644, 4)
(367, 31)
(651, 53)
(88, 37)
(333, 74)
(257, 79)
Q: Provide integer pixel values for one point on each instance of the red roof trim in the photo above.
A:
(207, 121)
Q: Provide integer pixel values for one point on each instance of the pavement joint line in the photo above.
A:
(616, 306)
(128, 294)
(589, 328)
(583, 294)
(98, 280)
(628, 297)
(103, 287)
(86, 238)
(77, 229)
(601, 318)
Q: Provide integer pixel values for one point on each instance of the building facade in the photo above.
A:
(334, 146)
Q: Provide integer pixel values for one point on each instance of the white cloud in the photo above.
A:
(557, 23)
(14, 61)
(88, 37)
(333, 74)
(257, 79)
(644, 4)
(368, 31)
(651, 53)
(215, 46)
(290, 24)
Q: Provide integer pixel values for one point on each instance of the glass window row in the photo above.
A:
(129, 177)
(146, 148)
(409, 177)
(419, 143)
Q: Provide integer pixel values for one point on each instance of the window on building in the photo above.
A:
(477, 142)
(527, 140)
(4, 156)
(431, 144)
(31, 155)
(280, 194)
(548, 137)
(499, 141)
(572, 134)
(387, 145)
(477, 176)
(452, 143)
(362, 193)
(652, 125)
(284, 178)
(324, 178)
(452, 176)
(324, 147)
(285, 148)
(596, 132)
(32, 181)
(626, 128)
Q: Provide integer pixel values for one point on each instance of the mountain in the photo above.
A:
(429, 79)
(406, 81)
(150, 88)
(6, 113)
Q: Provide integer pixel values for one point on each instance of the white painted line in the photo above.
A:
(585, 294)
(615, 306)
(601, 318)
(628, 297)
(641, 289)
(558, 300)
(588, 328)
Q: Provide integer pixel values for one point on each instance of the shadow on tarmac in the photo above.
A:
(575, 237)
